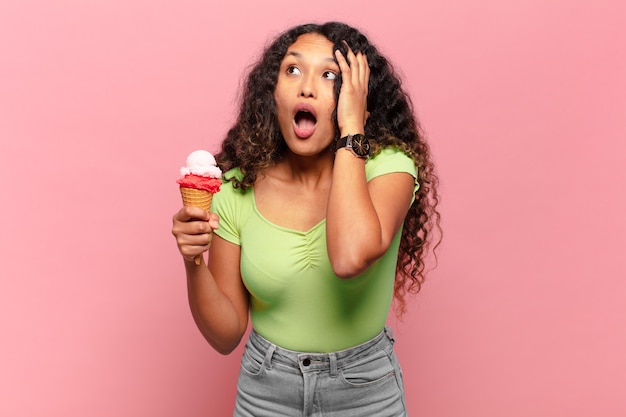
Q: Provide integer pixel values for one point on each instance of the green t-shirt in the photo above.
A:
(296, 301)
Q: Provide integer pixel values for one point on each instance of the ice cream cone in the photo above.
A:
(201, 178)
(196, 198)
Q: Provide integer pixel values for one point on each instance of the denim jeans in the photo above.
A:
(363, 381)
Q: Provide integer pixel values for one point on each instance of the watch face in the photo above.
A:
(360, 145)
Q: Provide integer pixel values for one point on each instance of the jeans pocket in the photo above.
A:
(252, 361)
(374, 369)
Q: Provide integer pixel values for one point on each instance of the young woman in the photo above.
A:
(326, 211)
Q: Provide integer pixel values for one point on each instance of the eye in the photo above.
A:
(292, 69)
(329, 75)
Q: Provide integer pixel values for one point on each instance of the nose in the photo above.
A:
(307, 88)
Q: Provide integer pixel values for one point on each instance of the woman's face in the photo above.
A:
(304, 95)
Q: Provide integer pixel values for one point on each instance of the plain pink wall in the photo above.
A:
(524, 103)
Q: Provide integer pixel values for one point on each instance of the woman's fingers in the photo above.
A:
(193, 230)
(355, 67)
(365, 72)
(352, 105)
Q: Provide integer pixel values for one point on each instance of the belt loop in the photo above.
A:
(333, 365)
(268, 356)
(390, 334)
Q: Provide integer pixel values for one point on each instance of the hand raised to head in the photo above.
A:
(352, 104)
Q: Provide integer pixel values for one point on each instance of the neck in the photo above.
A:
(310, 171)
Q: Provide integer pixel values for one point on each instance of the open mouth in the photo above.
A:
(304, 121)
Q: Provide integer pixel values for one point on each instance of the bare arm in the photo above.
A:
(217, 297)
(362, 218)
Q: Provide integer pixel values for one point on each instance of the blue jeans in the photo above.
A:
(363, 381)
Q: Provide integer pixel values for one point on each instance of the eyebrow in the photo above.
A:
(299, 55)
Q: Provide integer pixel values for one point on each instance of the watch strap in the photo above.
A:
(347, 141)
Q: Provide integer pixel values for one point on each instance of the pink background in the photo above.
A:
(524, 103)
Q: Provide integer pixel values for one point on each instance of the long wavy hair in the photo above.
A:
(255, 142)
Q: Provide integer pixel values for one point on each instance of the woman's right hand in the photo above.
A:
(193, 229)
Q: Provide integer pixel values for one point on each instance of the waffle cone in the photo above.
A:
(196, 198)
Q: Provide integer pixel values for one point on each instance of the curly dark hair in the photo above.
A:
(255, 142)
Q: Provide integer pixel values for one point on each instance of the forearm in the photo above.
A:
(214, 313)
(353, 230)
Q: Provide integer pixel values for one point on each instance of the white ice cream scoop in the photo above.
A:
(201, 163)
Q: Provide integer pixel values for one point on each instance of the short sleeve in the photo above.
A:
(390, 160)
(231, 205)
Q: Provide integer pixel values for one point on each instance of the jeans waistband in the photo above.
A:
(308, 362)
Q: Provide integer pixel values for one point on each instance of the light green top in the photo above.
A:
(296, 301)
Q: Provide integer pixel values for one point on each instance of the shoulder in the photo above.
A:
(233, 205)
(229, 192)
(231, 174)
(229, 182)
(387, 161)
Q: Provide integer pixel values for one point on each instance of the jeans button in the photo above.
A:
(306, 362)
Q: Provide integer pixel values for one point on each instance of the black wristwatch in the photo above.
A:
(358, 144)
